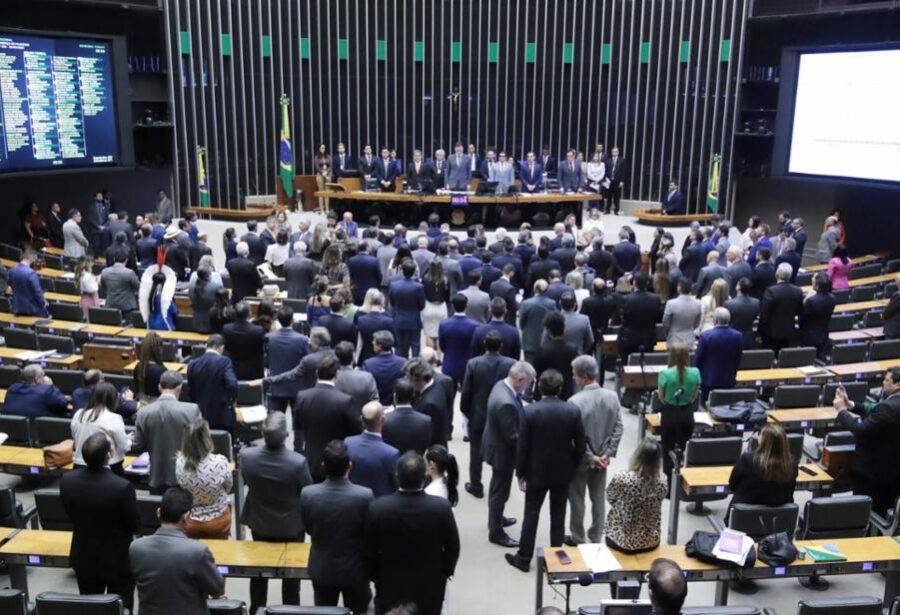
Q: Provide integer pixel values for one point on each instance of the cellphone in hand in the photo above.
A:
(563, 557)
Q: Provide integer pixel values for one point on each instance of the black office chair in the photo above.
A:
(796, 396)
(46, 284)
(222, 444)
(884, 349)
(51, 430)
(841, 322)
(147, 506)
(14, 513)
(796, 357)
(849, 353)
(863, 293)
(224, 606)
(9, 375)
(67, 380)
(184, 322)
(137, 321)
(856, 391)
(66, 311)
(298, 305)
(865, 271)
(650, 358)
(282, 609)
(851, 605)
(4, 304)
(249, 395)
(841, 296)
(50, 510)
(56, 603)
(833, 517)
(757, 359)
(895, 607)
(757, 521)
(13, 253)
(120, 381)
(67, 287)
(105, 316)
(892, 266)
(17, 429)
(724, 397)
(52, 261)
(58, 343)
(795, 444)
(886, 526)
(831, 438)
(873, 318)
(709, 452)
(723, 610)
(20, 338)
(890, 290)
(13, 602)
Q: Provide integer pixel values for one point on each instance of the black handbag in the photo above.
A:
(752, 414)
(777, 549)
(701, 545)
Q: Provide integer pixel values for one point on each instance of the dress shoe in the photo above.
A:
(504, 541)
(569, 541)
(516, 562)
(508, 521)
(475, 490)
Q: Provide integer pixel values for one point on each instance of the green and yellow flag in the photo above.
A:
(202, 178)
(286, 152)
(712, 192)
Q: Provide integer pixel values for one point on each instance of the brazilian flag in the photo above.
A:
(712, 192)
(202, 177)
(286, 152)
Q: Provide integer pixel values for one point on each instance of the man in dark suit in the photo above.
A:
(550, 448)
(120, 247)
(341, 162)
(285, 349)
(412, 543)
(570, 173)
(405, 428)
(373, 459)
(549, 163)
(744, 310)
(617, 176)
(531, 317)
(556, 353)
(299, 273)
(798, 233)
(600, 308)
(565, 254)
(95, 218)
(275, 477)
(763, 273)
(418, 171)
(245, 343)
(641, 311)
(385, 366)
(368, 323)
(626, 255)
(213, 383)
(245, 280)
(780, 306)
(103, 510)
(407, 298)
(323, 414)
(736, 268)
(455, 338)
(364, 273)
(791, 256)
(532, 174)
(367, 162)
(816, 315)
(439, 165)
(482, 373)
(512, 343)
(709, 274)
(693, 257)
(459, 169)
(304, 373)
(386, 171)
(673, 204)
(340, 329)
(198, 250)
(255, 244)
(540, 268)
(334, 513)
(54, 225)
(504, 289)
(508, 257)
(718, 355)
(431, 399)
(34, 395)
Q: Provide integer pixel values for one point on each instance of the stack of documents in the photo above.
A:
(733, 547)
(599, 558)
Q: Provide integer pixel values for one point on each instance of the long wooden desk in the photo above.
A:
(794, 418)
(181, 337)
(63, 297)
(59, 252)
(234, 558)
(181, 368)
(861, 306)
(856, 335)
(875, 554)
(521, 199)
(858, 260)
(71, 326)
(18, 321)
(862, 371)
(875, 279)
(708, 480)
(46, 272)
(70, 361)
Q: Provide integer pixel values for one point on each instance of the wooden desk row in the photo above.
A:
(875, 279)
(858, 260)
(53, 326)
(473, 199)
(55, 360)
(875, 554)
(793, 418)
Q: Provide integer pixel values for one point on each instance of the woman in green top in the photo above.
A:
(678, 388)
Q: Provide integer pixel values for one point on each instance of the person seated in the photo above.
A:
(126, 406)
(207, 477)
(34, 395)
(635, 501)
(667, 587)
(767, 475)
(673, 205)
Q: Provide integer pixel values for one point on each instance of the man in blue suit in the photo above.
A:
(570, 173)
(214, 386)
(407, 298)
(368, 323)
(719, 354)
(459, 169)
(34, 396)
(286, 348)
(512, 342)
(532, 174)
(673, 205)
(365, 273)
(385, 366)
(373, 459)
(455, 339)
(27, 295)
(386, 171)
(693, 258)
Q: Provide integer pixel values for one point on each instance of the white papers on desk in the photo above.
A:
(599, 558)
(251, 415)
(67, 275)
(733, 547)
(3, 437)
(33, 355)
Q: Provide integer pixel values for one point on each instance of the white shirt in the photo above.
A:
(438, 488)
(277, 253)
(109, 423)
(88, 283)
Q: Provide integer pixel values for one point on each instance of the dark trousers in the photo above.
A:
(408, 339)
(776, 344)
(356, 597)
(475, 457)
(613, 197)
(498, 495)
(883, 494)
(534, 499)
(280, 404)
(259, 588)
(676, 427)
(94, 582)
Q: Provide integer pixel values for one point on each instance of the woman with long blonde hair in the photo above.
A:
(714, 298)
(662, 282)
(679, 385)
(87, 284)
(207, 477)
(767, 475)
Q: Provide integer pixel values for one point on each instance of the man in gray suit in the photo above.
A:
(603, 429)
(578, 330)
(121, 285)
(159, 429)
(120, 225)
(681, 315)
(75, 244)
(164, 208)
(385, 255)
(479, 306)
(451, 268)
(358, 384)
(531, 319)
(173, 573)
(459, 169)
(334, 513)
(422, 255)
(275, 477)
(300, 272)
(737, 268)
(709, 274)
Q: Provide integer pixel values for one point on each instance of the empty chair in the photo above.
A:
(104, 316)
(137, 320)
(13, 602)
(20, 338)
(884, 349)
(66, 380)
(856, 391)
(892, 266)
(757, 359)
(841, 296)
(724, 397)
(796, 396)
(710, 452)
(833, 517)
(832, 438)
(865, 271)
(851, 605)
(46, 284)
(804, 278)
(224, 606)
(650, 358)
(50, 510)
(298, 305)
(51, 430)
(222, 443)
(841, 322)
(66, 311)
(849, 353)
(890, 290)
(9, 375)
(721, 610)
(66, 287)
(59, 343)
(54, 603)
(52, 262)
(147, 506)
(758, 521)
(873, 318)
(797, 357)
(16, 428)
(13, 513)
(184, 322)
(886, 526)
(863, 293)
(249, 395)
(4, 303)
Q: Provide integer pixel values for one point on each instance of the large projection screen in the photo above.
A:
(846, 120)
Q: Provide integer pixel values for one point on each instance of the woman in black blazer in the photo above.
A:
(767, 475)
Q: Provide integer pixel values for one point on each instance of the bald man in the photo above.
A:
(372, 459)
(667, 586)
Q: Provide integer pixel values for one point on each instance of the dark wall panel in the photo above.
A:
(656, 77)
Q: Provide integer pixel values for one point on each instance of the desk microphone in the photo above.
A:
(586, 579)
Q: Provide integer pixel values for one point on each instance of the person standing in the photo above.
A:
(121, 285)
(455, 339)
(459, 169)
(617, 175)
(99, 415)
(412, 543)
(245, 344)
(75, 244)
(173, 573)
(432, 399)
(781, 305)
(55, 226)
(892, 314)
(556, 353)
(373, 459)
(816, 315)
(275, 477)
(334, 513)
(600, 417)
(532, 314)
(744, 308)
(214, 384)
(405, 428)
(719, 353)
(681, 316)
(550, 448)
(27, 297)
(103, 510)
(678, 386)
(407, 298)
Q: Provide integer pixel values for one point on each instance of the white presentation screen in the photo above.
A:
(847, 115)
